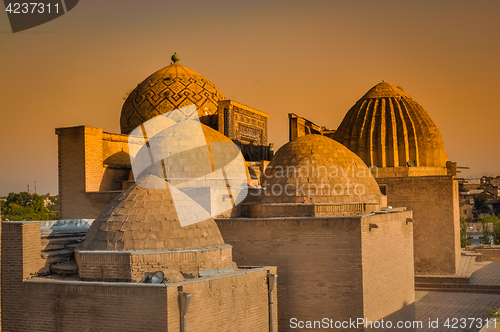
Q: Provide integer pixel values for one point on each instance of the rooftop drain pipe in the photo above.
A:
(184, 299)
(271, 282)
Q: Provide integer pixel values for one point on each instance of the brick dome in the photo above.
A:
(192, 154)
(387, 128)
(167, 89)
(326, 171)
(147, 219)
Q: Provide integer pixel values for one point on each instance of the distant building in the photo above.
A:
(475, 233)
(466, 211)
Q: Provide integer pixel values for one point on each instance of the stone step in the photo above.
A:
(464, 272)
(56, 243)
(458, 288)
(56, 256)
(65, 268)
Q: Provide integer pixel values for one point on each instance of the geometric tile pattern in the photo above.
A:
(168, 89)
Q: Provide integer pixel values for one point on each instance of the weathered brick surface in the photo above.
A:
(127, 266)
(388, 274)
(434, 202)
(321, 264)
(0, 277)
(86, 307)
(231, 303)
(21, 256)
(488, 254)
(228, 302)
(92, 165)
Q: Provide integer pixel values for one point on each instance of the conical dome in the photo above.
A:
(147, 219)
(167, 89)
(387, 128)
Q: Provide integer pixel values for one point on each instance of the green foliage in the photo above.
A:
(486, 232)
(496, 227)
(25, 206)
(494, 313)
(463, 233)
(480, 203)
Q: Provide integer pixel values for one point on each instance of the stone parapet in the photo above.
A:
(307, 210)
(133, 265)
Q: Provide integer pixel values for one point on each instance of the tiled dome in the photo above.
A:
(147, 219)
(326, 170)
(387, 128)
(167, 89)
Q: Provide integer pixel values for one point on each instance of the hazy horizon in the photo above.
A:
(315, 59)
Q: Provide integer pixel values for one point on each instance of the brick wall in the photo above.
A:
(126, 266)
(318, 261)
(327, 266)
(78, 306)
(21, 257)
(93, 158)
(230, 302)
(86, 185)
(71, 170)
(0, 276)
(488, 254)
(388, 274)
(436, 234)
(225, 304)
(115, 160)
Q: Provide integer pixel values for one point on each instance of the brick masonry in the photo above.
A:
(21, 256)
(434, 202)
(92, 166)
(234, 301)
(131, 266)
(328, 267)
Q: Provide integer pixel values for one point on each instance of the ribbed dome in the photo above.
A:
(326, 170)
(146, 219)
(387, 128)
(167, 89)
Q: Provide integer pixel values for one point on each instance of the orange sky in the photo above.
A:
(313, 58)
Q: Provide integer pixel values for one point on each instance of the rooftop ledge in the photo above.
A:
(145, 252)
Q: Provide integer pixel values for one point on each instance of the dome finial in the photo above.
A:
(175, 58)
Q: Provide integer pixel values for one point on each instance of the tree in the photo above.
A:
(496, 227)
(463, 233)
(25, 206)
(486, 231)
(480, 203)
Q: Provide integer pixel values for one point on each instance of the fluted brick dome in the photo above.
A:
(167, 89)
(147, 219)
(387, 128)
(317, 169)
